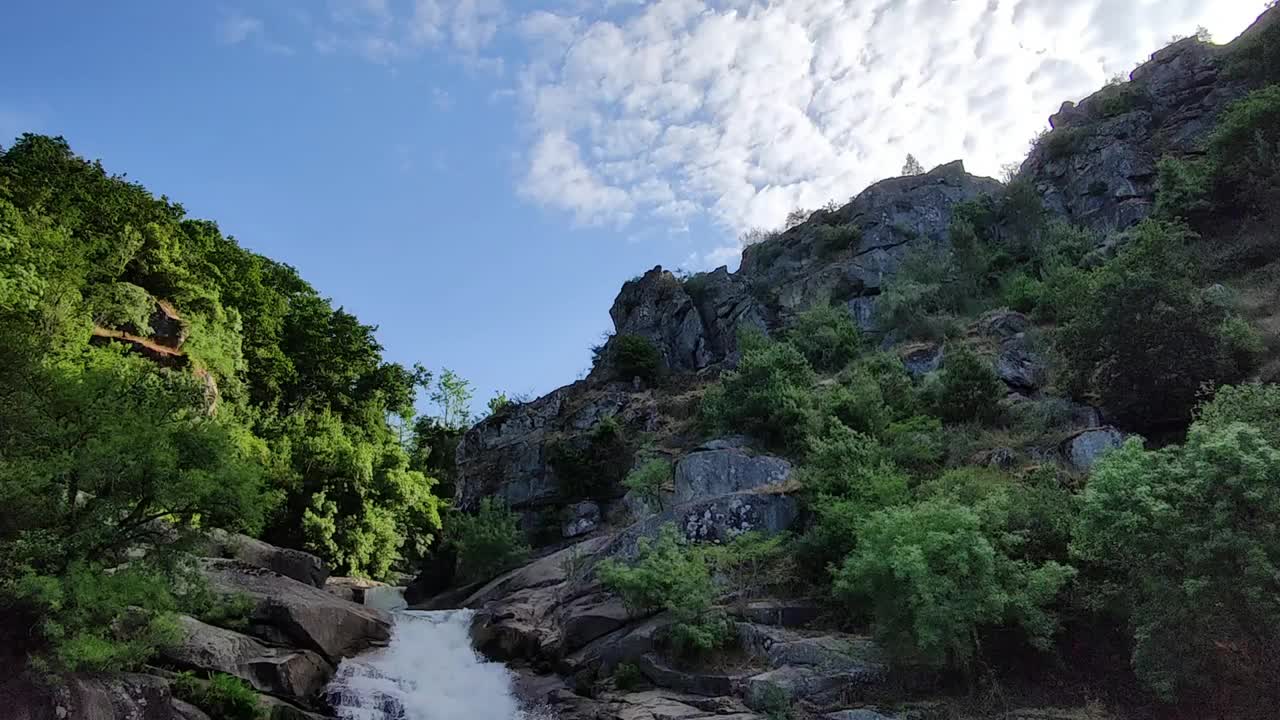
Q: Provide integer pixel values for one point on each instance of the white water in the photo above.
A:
(428, 672)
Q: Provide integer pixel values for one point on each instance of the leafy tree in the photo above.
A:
(826, 336)
(912, 166)
(1142, 338)
(1189, 535)
(635, 356)
(498, 403)
(669, 574)
(967, 388)
(488, 542)
(648, 480)
(933, 577)
(769, 396)
(452, 396)
(751, 563)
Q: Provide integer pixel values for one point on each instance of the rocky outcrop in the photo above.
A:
(301, 566)
(713, 470)
(105, 696)
(1097, 167)
(288, 612)
(275, 670)
(656, 306)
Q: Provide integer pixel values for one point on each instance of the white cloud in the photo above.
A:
(743, 109)
(235, 28)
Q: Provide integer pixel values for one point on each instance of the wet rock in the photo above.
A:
(1083, 450)
(281, 671)
(293, 613)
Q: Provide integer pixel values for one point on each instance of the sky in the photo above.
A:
(479, 177)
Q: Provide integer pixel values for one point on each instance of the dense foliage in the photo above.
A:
(234, 396)
(488, 541)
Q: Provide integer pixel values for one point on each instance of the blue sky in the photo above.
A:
(479, 177)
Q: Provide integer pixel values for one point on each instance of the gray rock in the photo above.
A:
(782, 612)
(1083, 450)
(856, 656)
(710, 684)
(922, 358)
(580, 519)
(712, 472)
(1002, 324)
(289, 612)
(296, 564)
(1019, 366)
(656, 306)
(280, 671)
(859, 714)
(104, 697)
(187, 711)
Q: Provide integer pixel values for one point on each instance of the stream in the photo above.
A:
(429, 671)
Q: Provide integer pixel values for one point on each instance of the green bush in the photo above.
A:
(487, 542)
(1257, 58)
(1142, 337)
(858, 403)
(222, 696)
(1257, 404)
(648, 480)
(967, 388)
(1021, 292)
(774, 702)
(751, 564)
(847, 464)
(1188, 534)
(669, 574)
(627, 677)
(1184, 188)
(1245, 148)
(933, 576)
(122, 306)
(826, 336)
(769, 396)
(635, 356)
(591, 466)
(1062, 142)
(834, 239)
(917, 443)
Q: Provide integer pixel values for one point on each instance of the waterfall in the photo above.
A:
(428, 672)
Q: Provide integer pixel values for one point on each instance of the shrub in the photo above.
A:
(751, 563)
(917, 443)
(834, 239)
(590, 466)
(1257, 404)
(123, 306)
(847, 464)
(635, 356)
(933, 577)
(489, 541)
(1021, 292)
(1183, 188)
(648, 480)
(668, 574)
(1061, 142)
(1245, 148)
(769, 396)
(1189, 535)
(966, 388)
(222, 696)
(1142, 338)
(627, 677)
(774, 702)
(826, 336)
(1118, 100)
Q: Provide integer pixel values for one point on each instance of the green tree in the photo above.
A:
(452, 395)
(826, 336)
(967, 388)
(489, 541)
(769, 396)
(933, 577)
(1189, 535)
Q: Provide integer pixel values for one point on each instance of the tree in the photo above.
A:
(912, 166)
(488, 541)
(453, 398)
(826, 336)
(1142, 339)
(967, 388)
(933, 577)
(770, 395)
(1189, 534)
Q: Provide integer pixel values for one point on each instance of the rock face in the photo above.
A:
(289, 612)
(1098, 165)
(280, 671)
(296, 564)
(656, 306)
(107, 696)
(708, 472)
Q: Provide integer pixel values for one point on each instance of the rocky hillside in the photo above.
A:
(572, 464)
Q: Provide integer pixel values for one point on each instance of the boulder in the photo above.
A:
(1083, 450)
(105, 696)
(1020, 367)
(580, 518)
(280, 671)
(920, 359)
(789, 612)
(856, 656)
(1002, 324)
(350, 588)
(289, 612)
(589, 617)
(717, 470)
(657, 307)
(715, 519)
(296, 564)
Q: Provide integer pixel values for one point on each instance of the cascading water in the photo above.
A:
(428, 672)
